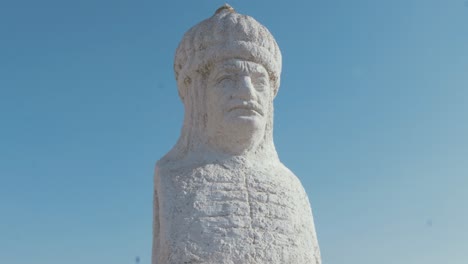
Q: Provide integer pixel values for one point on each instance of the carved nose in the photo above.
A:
(245, 89)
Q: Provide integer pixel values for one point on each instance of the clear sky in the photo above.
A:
(371, 115)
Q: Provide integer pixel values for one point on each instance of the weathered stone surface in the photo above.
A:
(221, 194)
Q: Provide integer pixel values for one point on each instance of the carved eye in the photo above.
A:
(224, 79)
(261, 82)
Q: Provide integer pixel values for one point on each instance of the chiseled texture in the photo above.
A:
(221, 194)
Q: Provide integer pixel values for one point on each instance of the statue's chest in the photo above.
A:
(241, 202)
(244, 216)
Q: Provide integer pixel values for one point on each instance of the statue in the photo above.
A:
(221, 194)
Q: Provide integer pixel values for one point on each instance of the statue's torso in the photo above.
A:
(218, 214)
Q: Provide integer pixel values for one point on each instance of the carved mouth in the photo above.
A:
(247, 106)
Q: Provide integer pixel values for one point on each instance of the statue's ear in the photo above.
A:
(183, 87)
(275, 92)
(276, 83)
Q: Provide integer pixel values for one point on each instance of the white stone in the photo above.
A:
(221, 194)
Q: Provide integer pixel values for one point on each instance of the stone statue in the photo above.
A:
(221, 194)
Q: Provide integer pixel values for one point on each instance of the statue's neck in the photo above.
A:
(234, 144)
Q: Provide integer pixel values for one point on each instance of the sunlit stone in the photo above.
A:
(221, 194)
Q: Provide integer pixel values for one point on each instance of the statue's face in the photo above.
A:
(238, 97)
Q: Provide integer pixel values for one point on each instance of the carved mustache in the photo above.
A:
(247, 105)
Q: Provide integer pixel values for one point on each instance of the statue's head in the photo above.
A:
(228, 72)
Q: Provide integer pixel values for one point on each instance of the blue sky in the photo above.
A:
(371, 115)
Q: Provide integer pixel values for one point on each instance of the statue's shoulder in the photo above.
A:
(165, 167)
(178, 168)
(289, 176)
(286, 172)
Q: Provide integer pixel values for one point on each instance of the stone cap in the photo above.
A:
(225, 35)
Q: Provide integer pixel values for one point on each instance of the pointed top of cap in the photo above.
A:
(224, 8)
